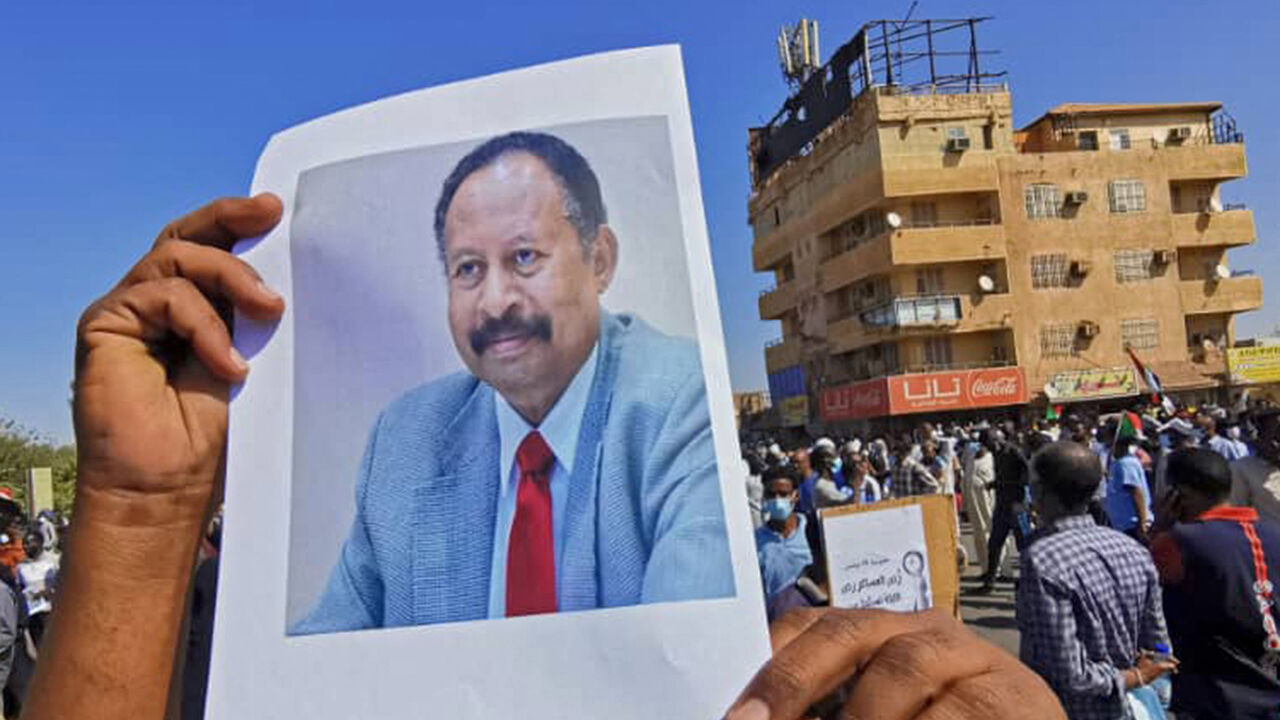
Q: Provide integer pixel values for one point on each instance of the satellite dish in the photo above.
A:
(986, 283)
(893, 219)
(1222, 272)
(1215, 205)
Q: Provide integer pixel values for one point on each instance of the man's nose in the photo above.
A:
(498, 294)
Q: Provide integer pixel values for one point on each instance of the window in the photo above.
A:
(955, 133)
(1119, 139)
(1087, 140)
(777, 216)
(937, 350)
(1127, 196)
(1049, 271)
(1139, 333)
(1133, 265)
(1057, 340)
(988, 141)
(1043, 200)
(928, 281)
(924, 214)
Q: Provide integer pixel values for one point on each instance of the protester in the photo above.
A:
(1011, 493)
(782, 548)
(1255, 480)
(827, 491)
(1216, 442)
(37, 578)
(1217, 564)
(979, 497)
(150, 422)
(1088, 600)
(911, 475)
(1128, 494)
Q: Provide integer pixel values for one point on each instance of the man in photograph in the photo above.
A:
(572, 465)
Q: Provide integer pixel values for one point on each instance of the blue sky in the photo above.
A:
(119, 116)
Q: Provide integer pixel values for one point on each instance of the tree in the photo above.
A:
(21, 449)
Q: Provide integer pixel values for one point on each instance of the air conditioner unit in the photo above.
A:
(1163, 257)
(1077, 197)
(957, 144)
(1088, 329)
(1079, 268)
(1179, 133)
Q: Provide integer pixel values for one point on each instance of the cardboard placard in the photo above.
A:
(851, 567)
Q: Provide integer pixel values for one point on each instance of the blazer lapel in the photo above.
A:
(579, 578)
(453, 518)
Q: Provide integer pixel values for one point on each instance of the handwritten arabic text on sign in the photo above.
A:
(1092, 383)
(878, 559)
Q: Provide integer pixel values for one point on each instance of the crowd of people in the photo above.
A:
(1148, 541)
(30, 556)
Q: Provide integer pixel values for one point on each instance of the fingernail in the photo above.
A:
(753, 709)
(262, 287)
(238, 360)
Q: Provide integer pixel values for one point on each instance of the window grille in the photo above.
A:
(937, 350)
(1087, 140)
(1057, 340)
(1127, 196)
(1120, 139)
(1133, 265)
(1043, 200)
(1049, 271)
(1139, 333)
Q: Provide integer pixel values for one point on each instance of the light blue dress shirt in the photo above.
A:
(560, 430)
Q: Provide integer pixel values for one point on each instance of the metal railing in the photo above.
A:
(914, 311)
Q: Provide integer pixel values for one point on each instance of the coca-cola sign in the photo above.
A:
(925, 392)
(957, 390)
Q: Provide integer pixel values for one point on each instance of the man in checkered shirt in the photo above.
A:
(1088, 603)
(911, 476)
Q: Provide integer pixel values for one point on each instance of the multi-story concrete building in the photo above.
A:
(930, 257)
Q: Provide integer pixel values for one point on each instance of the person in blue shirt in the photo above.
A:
(782, 547)
(1128, 493)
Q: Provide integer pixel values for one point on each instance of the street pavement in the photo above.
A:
(991, 616)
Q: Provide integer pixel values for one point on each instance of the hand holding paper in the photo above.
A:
(153, 364)
(875, 663)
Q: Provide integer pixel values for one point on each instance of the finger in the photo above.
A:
(163, 308)
(912, 669)
(224, 221)
(832, 649)
(792, 625)
(1004, 695)
(216, 272)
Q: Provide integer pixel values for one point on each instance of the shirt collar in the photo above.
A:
(1073, 522)
(1228, 512)
(559, 428)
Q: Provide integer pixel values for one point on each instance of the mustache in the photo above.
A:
(509, 326)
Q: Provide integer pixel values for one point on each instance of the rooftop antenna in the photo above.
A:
(898, 40)
(798, 51)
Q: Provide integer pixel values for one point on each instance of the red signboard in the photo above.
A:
(926, 392)
(859, 400)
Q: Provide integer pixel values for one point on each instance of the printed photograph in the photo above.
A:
(500, 408)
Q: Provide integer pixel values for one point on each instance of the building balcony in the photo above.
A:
(1237, 294)
(920, 315)
(770, 249)
(905, 176)
(777, 301)
(979, 240)
(917, 245)
(1204, 161)
(1228, 228)
(781, 353)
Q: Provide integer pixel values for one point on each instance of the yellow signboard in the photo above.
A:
(1254, 364)
(795, 410)
(1091, 384)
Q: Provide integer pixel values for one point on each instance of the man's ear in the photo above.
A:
(604, 258)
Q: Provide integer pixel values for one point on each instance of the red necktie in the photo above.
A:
(531, 552)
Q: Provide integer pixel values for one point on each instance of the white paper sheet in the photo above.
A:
(878, 559)
(679, 659)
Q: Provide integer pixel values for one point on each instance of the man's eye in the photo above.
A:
(466, 270)
(525, 257)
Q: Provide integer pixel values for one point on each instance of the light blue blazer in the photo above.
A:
(643, 522)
